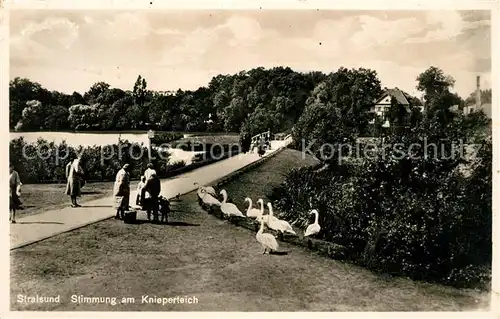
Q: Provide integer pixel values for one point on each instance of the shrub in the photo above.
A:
(166, 137)
(417, 217)
(45, 162)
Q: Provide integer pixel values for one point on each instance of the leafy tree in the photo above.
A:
(76, 98)
(21, 90)
(92, 95)
(338, 110)
(84, 117)
(398, 115)
(32, 116)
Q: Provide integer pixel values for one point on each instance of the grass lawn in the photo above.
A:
(260, 181)
(219, 264)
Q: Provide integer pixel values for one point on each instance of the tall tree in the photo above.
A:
(140, 93)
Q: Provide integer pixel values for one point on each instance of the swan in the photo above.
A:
(277, 224)
(313, 228)
(209, 199)
(229, 209)
(266, 240)
(210, 190)
(263, 217)
(253, 212)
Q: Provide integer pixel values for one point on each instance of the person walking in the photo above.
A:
(74, 175)
(121, 191)
(14, 192)
(153, 189)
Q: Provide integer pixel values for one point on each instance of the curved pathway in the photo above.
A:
(37, 227)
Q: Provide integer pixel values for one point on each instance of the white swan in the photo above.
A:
(229, 209)
(263, 217)
(266, 240)
(277, 224)
(253, 212)
(313, 228)
(209, 199)
(210, 190)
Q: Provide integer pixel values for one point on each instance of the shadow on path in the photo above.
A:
(95, 206)
(279, 253)
(91, 193)
(58, 223)
(181, 224)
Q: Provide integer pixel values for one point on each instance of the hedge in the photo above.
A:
(419, 218)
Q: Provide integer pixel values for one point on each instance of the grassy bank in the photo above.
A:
(218, 263)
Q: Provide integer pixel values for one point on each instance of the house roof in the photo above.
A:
(397, 94)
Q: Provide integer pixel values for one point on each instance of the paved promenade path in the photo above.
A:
(37, 227)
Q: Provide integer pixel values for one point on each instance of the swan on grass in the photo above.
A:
(266, 240)
(253, 212)
(208, 199)
(313, 228)
(210, 190)
(229, 209)
(263, 217)
(277, 224)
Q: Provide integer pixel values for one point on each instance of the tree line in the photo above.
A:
(246, 102)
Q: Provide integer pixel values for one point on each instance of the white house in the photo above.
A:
(383, 104)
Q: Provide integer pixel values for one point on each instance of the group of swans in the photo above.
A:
(207, 195)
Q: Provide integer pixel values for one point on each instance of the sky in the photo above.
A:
(71, 50)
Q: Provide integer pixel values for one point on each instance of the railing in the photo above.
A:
(257, 137)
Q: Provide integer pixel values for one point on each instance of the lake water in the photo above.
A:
(96, 139)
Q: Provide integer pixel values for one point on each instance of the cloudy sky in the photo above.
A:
(70, 50)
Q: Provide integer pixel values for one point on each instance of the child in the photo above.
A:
(164, 208)
(140, 191)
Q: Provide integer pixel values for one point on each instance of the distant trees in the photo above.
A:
(254, 100)
(326, 107)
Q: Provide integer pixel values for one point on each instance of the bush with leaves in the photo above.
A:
(408, 210)
(45, 161)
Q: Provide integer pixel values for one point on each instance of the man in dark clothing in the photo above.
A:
(153, 189)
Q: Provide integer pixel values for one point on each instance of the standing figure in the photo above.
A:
(153, 189)
(74, 174)
(14, 192)
(164, 208)
(139, 201)
(261, 148)
(149, 171)
(121, 191)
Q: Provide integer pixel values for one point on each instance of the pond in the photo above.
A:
(99, 139)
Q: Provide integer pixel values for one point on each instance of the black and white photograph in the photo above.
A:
(250, 159)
